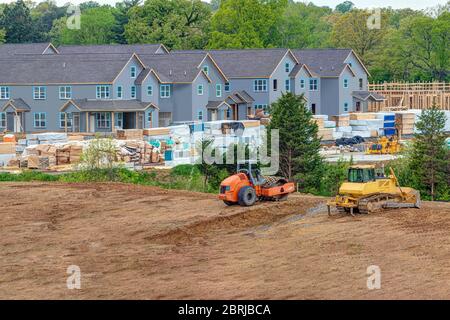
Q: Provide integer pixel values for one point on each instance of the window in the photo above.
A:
(133, 92)
(118, 119)
(345, 107)
(345, 83)
(103, 120)
(65, 92)
(218, 90)
(40, 119)
(200, 115)
(119, 92)
(200, 89)
(275, 84)
(227, 87)
(133, 71)
(2, 119)
(313, 84)
(228, 113)
(313, 108)
(150, 119)
(302, 83)
(261, 106)
(4, 92)
(206, 69)
(62, 120)
(164, 91)
(260, 85)
(287, 85)
(361, 83)
(150, 90)
(287, 67)
(102, 92)
(39, 93)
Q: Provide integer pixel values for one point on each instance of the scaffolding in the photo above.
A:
(404, 95)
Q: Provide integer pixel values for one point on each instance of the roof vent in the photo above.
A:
(170, 72)
(64, 64)
(185, 72)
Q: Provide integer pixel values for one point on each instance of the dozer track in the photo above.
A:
(377, 202)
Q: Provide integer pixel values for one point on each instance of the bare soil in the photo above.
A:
(135, 242)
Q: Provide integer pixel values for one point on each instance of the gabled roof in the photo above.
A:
(323, 62)
(8, 49)
(55, 69)
(297, 69)
(179, 68)
(240, 97)
(245, 63)
(108, 105)
(113, 49)
(17, 104)
(364, 95)
(216, 104)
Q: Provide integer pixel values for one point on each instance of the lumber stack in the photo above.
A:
(362, 116)
(342, 120)
(405, 122)
(130, 134)
(139, 152)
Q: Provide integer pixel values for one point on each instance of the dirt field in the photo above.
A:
(147, 243)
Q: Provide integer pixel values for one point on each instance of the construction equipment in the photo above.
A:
(367, 190)
(386, 145)
(248, 186)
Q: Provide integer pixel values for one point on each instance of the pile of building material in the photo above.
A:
(365, 125)
(405, 122)
(139, 152)
(130, 134)
(46, 138)
(7, 152)
(326, 128)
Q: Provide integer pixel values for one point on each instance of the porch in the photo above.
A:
(361, 100)
(12, 115)
(107, 116)
(237, 106)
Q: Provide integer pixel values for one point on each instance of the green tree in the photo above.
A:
(429, 154)
(43, 15)
(179, 24)
(2, 35)
(303, 25)
(299, 143)
(345, 6)
(95, 28)
(246, 24)
(17, 23)
(121, 16)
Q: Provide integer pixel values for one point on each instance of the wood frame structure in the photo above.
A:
(404, 95)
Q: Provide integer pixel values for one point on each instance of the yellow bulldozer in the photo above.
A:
(369, 190)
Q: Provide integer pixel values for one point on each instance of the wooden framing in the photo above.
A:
(404, 95)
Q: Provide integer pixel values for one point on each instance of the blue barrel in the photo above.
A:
(168, 155)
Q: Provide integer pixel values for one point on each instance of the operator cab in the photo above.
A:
(250, 168)
(362, 174)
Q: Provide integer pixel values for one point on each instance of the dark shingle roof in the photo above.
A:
(17, 104)
(23, 48)
(110, 48)
(364, 95)
(111, 105)
(215, 104)
(62, 68)
(323, 62)
(244, 62)
(182, 67)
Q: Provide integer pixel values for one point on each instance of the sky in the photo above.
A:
(396, 4)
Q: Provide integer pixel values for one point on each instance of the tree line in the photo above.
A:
(405, 44)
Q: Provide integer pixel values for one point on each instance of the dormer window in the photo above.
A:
(287, 67)
(133, 72)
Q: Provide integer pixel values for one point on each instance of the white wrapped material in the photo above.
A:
(48, 136)
(344, 129)
(329, 124)
(337, 135)
(321, 116)
(4, 158)
(358, 122)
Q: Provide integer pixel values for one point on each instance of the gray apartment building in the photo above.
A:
(102, 88)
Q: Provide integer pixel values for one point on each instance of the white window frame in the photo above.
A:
(302, 83)
(65, 92)
(103, 120)
(133, 92)
(164, 91)
(287, 67)
(287, 85)
(200, 89)
(345, 83)
(218, 90)
(119, 92)
(313, 84)
(2, 119)
(206, 69)
(41, 118)
(103, 92)
(133, 72)
(150, 90)
(227, 87)
(4, 93)
(345, 106)
(150, 118)
(260, 85)
(39, 93)
(200, 115)
(62, 119)
(118, 119)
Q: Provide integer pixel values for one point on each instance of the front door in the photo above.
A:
(358, 106)
(10, 121)
(76, 122)
(92, 123)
